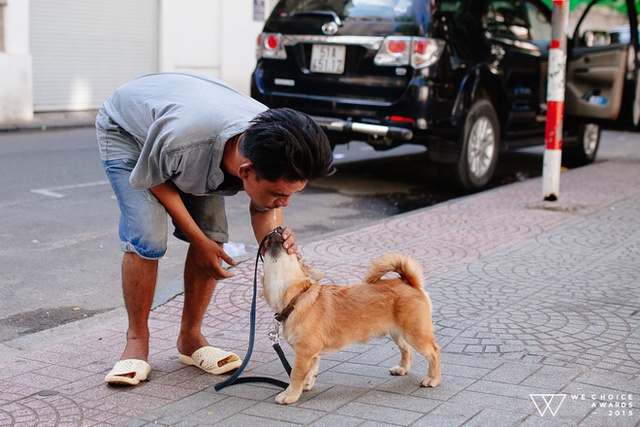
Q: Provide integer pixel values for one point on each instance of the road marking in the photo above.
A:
(54, 191)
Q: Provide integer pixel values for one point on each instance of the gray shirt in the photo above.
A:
(175, 128)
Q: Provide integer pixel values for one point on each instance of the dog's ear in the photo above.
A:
(315, 274)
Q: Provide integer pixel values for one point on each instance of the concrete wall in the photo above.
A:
(215, 37)
(16, 88)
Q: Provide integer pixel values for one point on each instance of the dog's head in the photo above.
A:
(281, 270)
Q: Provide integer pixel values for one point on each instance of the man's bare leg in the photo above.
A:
(198, 290)
(138, 285)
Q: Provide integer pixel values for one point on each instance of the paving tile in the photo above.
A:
(380, 351)
(506, 389)
(181, 409)
(497, 418)
(611, 418)
(134, 404)
(551, 377)
(18, 367)
(481, 401)
(471, 372)
(406, 384)
(448, 415)
(365, 370)
(390, 416)
(606, 382)
(352, 380)
(333, 420)
(449, 387)
(398, 401)
(212, 414)
(252, 391)
(331, 398)
(288, 413)
(244, 420)
(512, 373)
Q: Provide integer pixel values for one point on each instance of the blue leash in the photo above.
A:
(234, 378)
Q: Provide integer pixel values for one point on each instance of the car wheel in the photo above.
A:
(586, 147)
(480, 146)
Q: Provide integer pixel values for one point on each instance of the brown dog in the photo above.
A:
(320, 319)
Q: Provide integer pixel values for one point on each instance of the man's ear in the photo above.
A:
(244, 169)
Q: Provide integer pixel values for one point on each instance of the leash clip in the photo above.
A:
(274, 334)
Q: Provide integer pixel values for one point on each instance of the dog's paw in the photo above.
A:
(430, 382)
(398, 370)
(286, 398)
(310, 382)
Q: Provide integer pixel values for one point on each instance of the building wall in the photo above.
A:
(16, 87)
(214, 37)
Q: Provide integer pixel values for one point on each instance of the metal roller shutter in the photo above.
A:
(83, 49)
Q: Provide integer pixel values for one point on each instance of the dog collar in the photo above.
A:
(284, 314)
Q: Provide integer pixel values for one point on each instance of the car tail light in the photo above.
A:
(401, 119)
(419, 52)
(269, 45)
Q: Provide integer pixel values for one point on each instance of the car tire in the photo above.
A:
(480, 145)
(585, 149)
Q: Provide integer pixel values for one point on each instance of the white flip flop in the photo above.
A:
(122, 369)
(208, 358)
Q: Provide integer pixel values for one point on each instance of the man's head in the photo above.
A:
(287, 144)
(286, 149)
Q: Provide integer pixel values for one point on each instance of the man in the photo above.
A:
(178, 143)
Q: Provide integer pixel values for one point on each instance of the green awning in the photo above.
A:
(619, 5)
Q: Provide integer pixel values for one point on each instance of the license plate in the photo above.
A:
(327, 58)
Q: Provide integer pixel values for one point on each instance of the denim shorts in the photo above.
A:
(143, 223)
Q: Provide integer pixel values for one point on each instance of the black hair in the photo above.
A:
(288, 144)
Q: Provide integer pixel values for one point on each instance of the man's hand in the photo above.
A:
(209, 256)
(207, 253)
(290, 242)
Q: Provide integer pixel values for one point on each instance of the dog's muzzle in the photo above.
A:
(275, 241)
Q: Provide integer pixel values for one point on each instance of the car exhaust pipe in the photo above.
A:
(337, 125)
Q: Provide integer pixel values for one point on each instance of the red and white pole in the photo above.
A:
(552, 162)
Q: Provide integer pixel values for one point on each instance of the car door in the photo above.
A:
(518, 59)
(598, 67)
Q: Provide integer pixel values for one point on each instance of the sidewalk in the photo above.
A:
(530, 299)
(43, 121)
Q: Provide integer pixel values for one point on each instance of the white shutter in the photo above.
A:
(82, 50)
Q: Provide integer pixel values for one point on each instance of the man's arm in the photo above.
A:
(208, 252)
(265, 221)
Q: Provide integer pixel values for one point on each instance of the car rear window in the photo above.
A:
(354, 9)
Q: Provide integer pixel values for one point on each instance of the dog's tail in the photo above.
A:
(408, 268)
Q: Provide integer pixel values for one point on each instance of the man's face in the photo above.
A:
(267, 195)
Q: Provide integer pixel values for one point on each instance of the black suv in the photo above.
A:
(465, 78)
